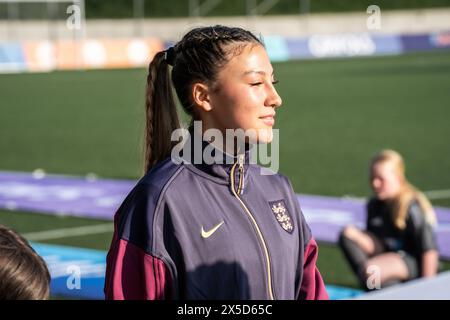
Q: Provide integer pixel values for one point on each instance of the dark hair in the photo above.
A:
(23, 273)
(196, 58)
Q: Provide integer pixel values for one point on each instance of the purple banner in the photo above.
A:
(424, 42)
(100, 198)
(62, 195)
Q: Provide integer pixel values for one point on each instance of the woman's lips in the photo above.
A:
(268, 120)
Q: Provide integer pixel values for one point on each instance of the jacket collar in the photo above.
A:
(208, 158)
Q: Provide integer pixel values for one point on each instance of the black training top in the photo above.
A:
(415, 239)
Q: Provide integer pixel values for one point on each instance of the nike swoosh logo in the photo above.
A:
(207, 234)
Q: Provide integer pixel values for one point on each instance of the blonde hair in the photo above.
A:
(408, 192)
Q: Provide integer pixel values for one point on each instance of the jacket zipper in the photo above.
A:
(258, 231)
(241, 175)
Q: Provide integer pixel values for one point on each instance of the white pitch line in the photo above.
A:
(438, 194)
(69, 232)
(432, 195)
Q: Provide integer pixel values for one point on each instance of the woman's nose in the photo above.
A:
(273, 98)
(376, 183)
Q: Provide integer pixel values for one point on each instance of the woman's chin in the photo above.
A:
(265, 135)
(383, 197)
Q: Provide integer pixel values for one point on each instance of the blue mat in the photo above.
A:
(339, 293)
(75, 272)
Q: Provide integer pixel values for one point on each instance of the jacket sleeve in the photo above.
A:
(422, 232)
(133, 269)
(312, 287)
(132, 274)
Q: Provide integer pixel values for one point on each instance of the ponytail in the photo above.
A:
(161, 112)
(403, 201)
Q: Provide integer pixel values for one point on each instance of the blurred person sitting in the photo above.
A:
(399, 242)
(23, 273)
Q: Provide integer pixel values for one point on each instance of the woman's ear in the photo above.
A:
(200, 95)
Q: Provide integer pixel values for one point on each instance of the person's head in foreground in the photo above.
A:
(23, 273)
(222, 76)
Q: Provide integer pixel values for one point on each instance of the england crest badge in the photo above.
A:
(282, 215)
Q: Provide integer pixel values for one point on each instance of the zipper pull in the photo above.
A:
(241, 173)
(241, 160)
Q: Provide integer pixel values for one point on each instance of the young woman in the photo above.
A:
(399, 243)
(196, 230)
(23, 273)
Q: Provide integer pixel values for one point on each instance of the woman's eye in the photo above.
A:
(260, 83)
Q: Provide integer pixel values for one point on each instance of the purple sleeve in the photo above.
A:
(132, 274)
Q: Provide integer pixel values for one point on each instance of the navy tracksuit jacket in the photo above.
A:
(220, 231)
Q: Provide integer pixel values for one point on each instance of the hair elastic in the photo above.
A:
(169, 56)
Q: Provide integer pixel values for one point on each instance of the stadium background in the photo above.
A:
(339, 108)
